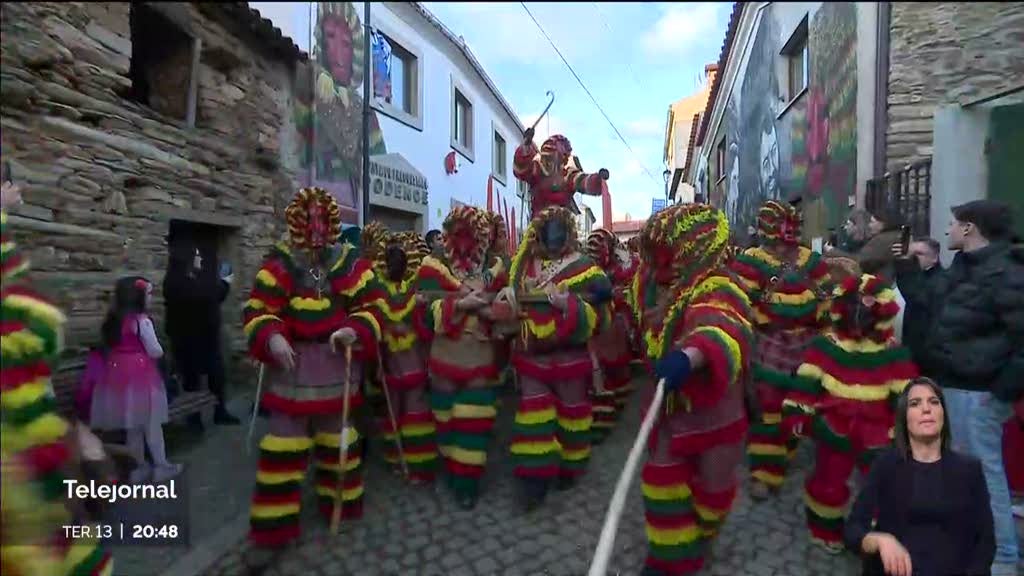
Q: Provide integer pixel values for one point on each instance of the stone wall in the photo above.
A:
(942, 53)
(104, 175)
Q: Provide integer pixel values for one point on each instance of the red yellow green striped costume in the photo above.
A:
(306, 404)
(463, 372)
(612, 346)
(844, 393)
(405, 366)
(689, 480)
(33, 449)
(788, 286)
(552, 434)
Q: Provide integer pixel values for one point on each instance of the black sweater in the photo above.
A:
(939, 512)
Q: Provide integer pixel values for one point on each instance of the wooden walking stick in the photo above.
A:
(342, 449)
(394, 422)
(599, 565)
(255, 408)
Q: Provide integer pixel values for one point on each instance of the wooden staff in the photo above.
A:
(394, 421)
(255, 408)
(342, 449)
(599, 565)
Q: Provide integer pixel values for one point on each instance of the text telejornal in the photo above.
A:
(114, 492)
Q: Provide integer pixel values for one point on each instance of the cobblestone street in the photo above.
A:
(409, 530)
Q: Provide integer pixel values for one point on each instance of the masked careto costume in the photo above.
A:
(553, 175)
(685, 297)
(789, 286)
(551, 356)
(844, 396)
(612, 346)
(405, 356)
(499, 250)
(34, 449)
(463, 372)
(309, 287)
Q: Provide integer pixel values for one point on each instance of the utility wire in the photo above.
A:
(587, 90)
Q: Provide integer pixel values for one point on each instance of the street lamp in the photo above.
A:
(666, 175)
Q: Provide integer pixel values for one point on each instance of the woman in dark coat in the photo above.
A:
(193, 293)
(933, 517)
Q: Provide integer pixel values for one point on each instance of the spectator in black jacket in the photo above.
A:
(931, 502)
(921, 265)
(193, 293)
(975, 348)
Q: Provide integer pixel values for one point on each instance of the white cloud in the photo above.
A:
(503, 32)
(645, 128)
(680, 27)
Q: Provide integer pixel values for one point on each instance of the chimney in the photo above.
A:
(710, 71)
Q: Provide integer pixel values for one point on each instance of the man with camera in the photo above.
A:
(974, 345)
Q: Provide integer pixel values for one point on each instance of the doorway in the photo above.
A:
(190, 313)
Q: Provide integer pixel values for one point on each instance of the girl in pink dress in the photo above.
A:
(130, 395)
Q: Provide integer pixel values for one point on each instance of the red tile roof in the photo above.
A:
(627, 226)
(723, 60)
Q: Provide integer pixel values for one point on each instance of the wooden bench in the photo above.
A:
(67, 377)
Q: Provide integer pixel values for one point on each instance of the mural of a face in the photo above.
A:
(769, 163)
(338, 48)
(733, 193)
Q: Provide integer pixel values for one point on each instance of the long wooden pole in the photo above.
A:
(342, 449)
(599, 565)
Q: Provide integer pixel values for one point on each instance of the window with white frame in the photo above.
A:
(462, 122)
(396, 79)
(797, 59)
(499, 162)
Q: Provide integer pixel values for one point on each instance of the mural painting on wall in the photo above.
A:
(753, 153)
(825, 147)
(810, 152)
(329, 106)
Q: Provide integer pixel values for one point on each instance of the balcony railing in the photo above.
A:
(908, 192)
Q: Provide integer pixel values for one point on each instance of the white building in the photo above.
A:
(441, 102)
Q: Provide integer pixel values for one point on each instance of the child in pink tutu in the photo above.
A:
(130, 394)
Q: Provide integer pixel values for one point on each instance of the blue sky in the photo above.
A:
(636, 59)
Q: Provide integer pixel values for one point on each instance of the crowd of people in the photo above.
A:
(409, 337)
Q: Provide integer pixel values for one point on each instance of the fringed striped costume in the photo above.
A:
(305, 299)
(552, 175)
(33, 448)
(552, 435)
(843, 395)
(687, 298)
(405, 364)
(788, 286)
(612, 346)
(463, 373)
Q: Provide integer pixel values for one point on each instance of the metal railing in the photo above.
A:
(908, 192)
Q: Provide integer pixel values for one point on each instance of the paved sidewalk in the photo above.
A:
(422, 531)
(218, 473)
